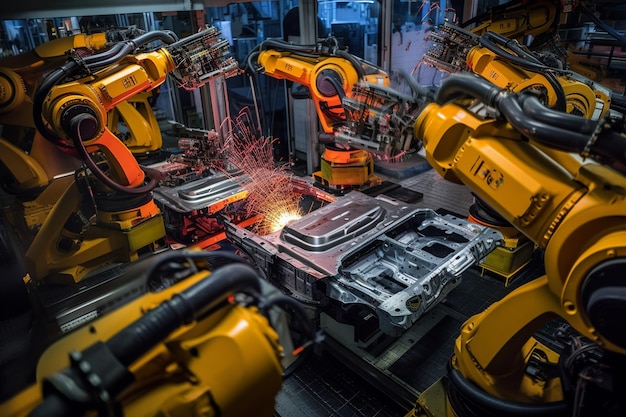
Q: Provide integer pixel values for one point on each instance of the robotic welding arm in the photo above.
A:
(574, 212)
(21, 75)
(510, 64)
(30, 163)
(196, 341)
(108, 214)
(98, 83)
(352, 97)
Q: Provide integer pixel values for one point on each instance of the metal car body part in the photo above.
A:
(381, 255)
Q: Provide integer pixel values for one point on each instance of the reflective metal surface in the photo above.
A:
(377, 254)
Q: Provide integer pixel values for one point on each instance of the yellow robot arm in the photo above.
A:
(330, 76)
(21, 75)
(518, 19)
(135, 123)
(33, 167)
(70, 110)
(352, 97)
(507, 64)
(184, 347)
(73, 114)
(90, 100)
(576, 217)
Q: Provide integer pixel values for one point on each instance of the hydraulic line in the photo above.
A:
(132, 342)
(609, 144)
(465, 397)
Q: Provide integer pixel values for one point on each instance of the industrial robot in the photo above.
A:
(553, 176)
(107, 215)
(182, 333)
(543, 151)
(356, 107)
(508, 63)
(198, 341)
(33, 170)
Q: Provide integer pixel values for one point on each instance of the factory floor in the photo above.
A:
(335, 381)
(338, 383)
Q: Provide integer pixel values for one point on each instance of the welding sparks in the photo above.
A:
(283, 218)
(270, 192)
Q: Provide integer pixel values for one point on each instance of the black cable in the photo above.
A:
(103, 62)
(602, 25)
(465, 84)
(123, 49)
(489, 40)
(354, 61)
(608, 143)
(552, 136)
(471, 396)
(515, 47)
(533, 107)
(157, 35)
(76, 123)
(104, 55)
(132, 342)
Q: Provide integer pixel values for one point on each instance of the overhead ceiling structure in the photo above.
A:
(30, 9)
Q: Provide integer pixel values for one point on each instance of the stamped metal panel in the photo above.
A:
(388, 256)
(202, 193)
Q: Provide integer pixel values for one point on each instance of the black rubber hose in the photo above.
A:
(115, 49)
(535, 65)
(155, 35)
(123, 49)
(172, 34)
(192, 304)
(609, 144)
(618, 103)
(252, 63)
(470, 393)
(123, 52)
(515, 47)
(465, 84)
(56, 406)
(533, 108)
(86, 158)
(554, 137)
(354, 61)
